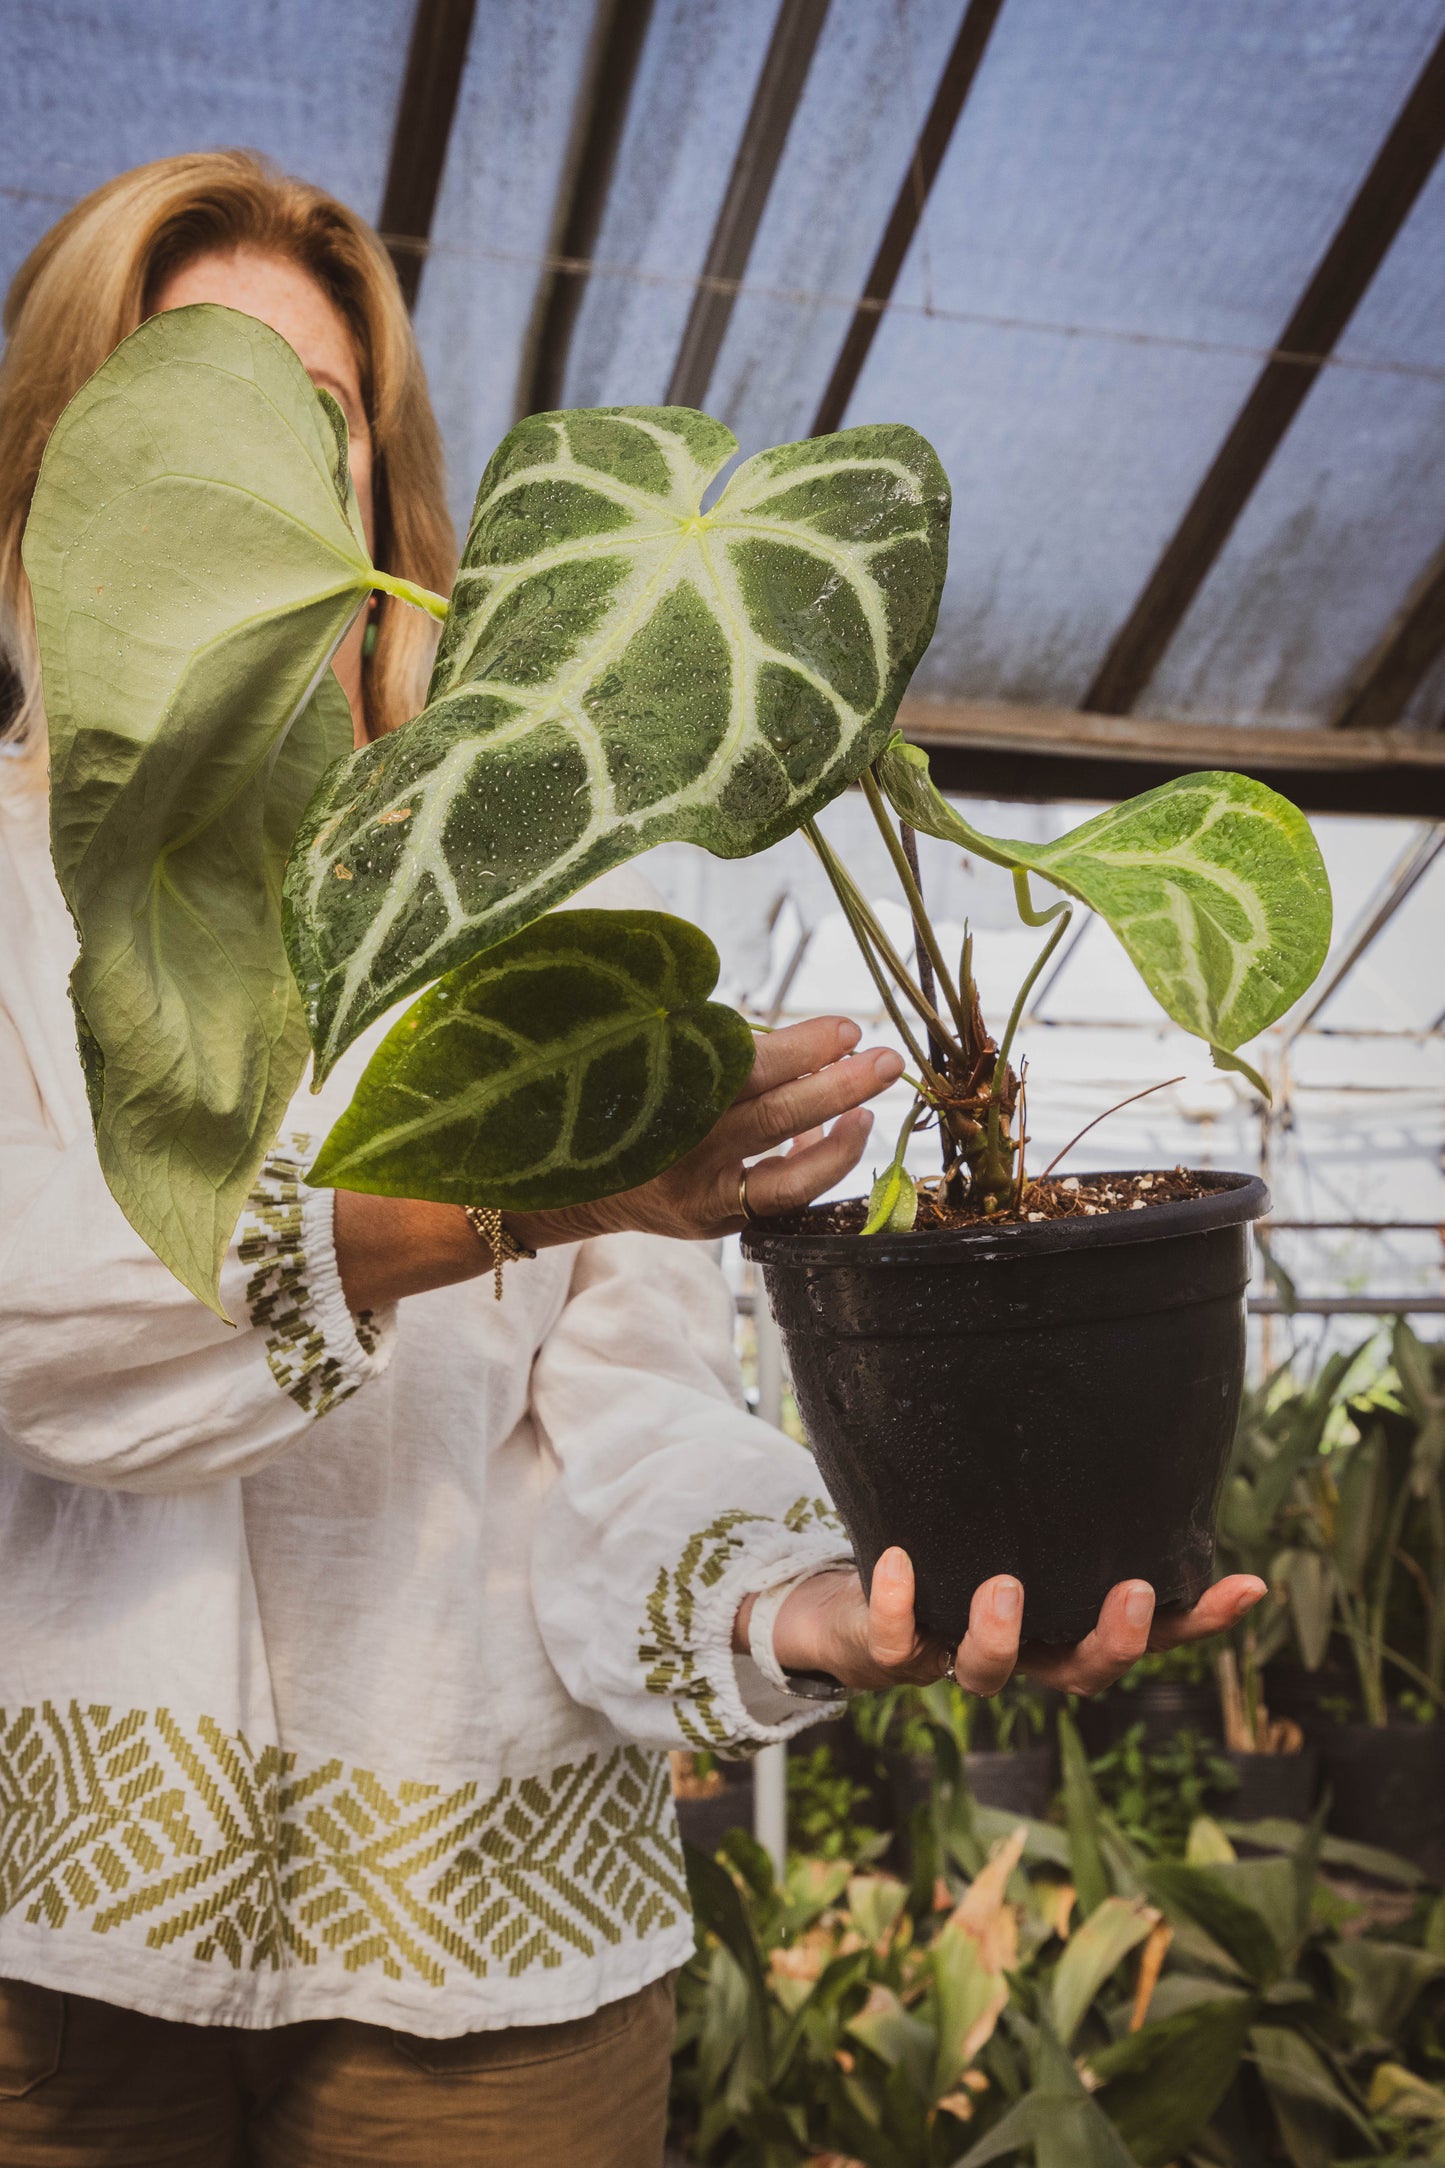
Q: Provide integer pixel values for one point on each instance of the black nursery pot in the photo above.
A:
(1019, 1780)
(1270, 1785)
(1052, 1399)
(1387, 1785)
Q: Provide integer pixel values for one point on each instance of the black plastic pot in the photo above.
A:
(1021, 1780)
(1284, 1785)
(705, 1822)
(1163, 1707)
(1290, 1690)
(1388, 1788)
(1053, 1399)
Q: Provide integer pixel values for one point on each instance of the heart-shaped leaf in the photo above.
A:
(577, 1059)
(620, 669)
(1213, 883)
(195, 556)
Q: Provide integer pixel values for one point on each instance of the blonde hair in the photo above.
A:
(93, 278)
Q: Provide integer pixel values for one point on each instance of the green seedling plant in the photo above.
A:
(622, 663)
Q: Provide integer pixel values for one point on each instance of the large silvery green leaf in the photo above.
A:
(1213, 883)
(620, 669)
(195, 555)
(577, 1059)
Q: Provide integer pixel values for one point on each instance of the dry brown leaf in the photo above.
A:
(1151, 1961)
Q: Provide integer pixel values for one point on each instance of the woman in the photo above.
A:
(340, 1652)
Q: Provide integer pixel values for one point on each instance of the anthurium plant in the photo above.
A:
(623, 663)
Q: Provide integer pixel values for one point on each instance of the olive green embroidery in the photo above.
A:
(670, 1660)
(112, 1820)
(278, 1298)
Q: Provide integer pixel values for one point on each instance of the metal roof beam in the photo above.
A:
(1385, 683)
(992, 750)
(440, 32)
(619, 33)
(760, 149)
(934, 138)
(1340, 281)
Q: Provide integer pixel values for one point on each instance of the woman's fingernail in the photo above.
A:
(848, 1034)
(1008, 1601)
(887, 1067)
(889, 1566)
(1248, 1600)
(1139, 1604)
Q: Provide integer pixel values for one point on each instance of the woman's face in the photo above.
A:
(287, 298)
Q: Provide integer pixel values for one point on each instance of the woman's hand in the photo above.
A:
(804, 1076)
(827, 1624)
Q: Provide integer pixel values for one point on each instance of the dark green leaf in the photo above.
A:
(1382, 1982)
(1092, 1955)
(620, 669)
(719, 1908)
(1201, 1894)
(1081, 1814)
(1161, 2084)
(1305, 2094)
(574, 1061)
(1276, 1833)
(194, 565)
(1213, 883)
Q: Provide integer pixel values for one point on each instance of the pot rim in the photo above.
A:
(797, 1238)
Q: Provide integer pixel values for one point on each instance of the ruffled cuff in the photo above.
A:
(319, 1351)
(723, 1701)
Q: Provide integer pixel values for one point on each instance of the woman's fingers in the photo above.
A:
(1119, 1640)
(806, 1102)
(798, 1049)
(892, 1633)
(810, 1169)
(1217, 1608)
(989, 1650)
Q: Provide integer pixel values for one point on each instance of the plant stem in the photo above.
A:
(842, 889)
(928, 945)
(1159, 1087)
(420, 598)
(848, 893)
(1001, 1065)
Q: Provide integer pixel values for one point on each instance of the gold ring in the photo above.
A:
(743, 1206)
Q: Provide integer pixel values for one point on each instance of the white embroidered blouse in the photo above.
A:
(339, 1656)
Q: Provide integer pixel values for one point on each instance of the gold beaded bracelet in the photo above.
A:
(485, 1222)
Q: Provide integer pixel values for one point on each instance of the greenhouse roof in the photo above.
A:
(1163, 284)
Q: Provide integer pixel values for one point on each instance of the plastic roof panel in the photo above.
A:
(1343, 521)
(88, 90)
(493, 219)
(1165, 171)
(694, 88)
(867, 92)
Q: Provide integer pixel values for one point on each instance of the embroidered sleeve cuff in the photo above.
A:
(318, 1351)
(723, 1701)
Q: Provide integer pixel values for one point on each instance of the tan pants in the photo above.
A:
(86, 2085)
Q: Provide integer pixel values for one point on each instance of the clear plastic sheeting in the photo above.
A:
(694, 90)
(480, 288)
(1348, 514)
(1168, 172)
(86, 91)
(847, 153)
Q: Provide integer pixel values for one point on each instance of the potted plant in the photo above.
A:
(620, 667)
(1384, 1524)
(1002, 1749)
